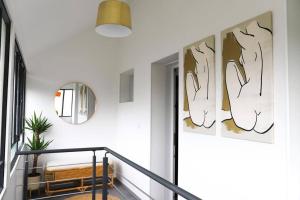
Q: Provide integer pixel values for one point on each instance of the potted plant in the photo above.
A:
(38, 125)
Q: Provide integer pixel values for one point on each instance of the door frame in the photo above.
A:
(162, 124)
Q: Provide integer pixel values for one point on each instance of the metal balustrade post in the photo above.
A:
(105, 178)
(25, 181)
(94, 177)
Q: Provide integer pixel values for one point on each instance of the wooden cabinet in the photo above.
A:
(74, 177)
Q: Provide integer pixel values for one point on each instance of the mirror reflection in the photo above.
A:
(75, 103)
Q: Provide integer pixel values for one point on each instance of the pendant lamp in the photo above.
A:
(114, 19)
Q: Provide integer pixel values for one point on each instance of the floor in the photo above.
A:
(119, 190)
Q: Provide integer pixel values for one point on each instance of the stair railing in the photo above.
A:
(183, 193)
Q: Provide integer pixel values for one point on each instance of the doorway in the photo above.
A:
(164, 125)
(175, 119)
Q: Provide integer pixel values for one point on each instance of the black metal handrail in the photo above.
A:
(60, 150)
(185, 194)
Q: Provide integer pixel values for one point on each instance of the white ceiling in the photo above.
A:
(41, 24)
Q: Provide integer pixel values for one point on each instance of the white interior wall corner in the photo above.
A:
(210, 167)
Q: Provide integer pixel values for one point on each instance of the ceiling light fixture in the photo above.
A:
(114, 19)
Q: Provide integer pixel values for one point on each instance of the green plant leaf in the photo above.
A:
(38, 125)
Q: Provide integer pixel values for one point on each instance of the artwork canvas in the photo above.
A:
(199, 87)
(247, 72)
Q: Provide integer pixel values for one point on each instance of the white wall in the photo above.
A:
(14, 190)
(212, 167)
(87, 58)
(293, 17)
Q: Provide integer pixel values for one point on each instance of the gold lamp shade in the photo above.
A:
(114, 19)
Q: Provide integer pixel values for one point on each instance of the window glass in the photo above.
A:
(4, 69)
(67, 104)
(18, 108)
(2, 51)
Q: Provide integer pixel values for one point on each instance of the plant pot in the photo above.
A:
(34, 182)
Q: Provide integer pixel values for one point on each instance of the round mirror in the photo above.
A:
(75, 103)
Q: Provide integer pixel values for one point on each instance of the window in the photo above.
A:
(19, 86)
(64, 102)
(4, 68)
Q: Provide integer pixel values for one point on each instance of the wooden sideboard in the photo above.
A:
(74, 177)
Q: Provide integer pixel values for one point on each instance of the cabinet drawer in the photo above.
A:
(77, 173)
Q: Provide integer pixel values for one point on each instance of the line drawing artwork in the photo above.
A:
(248, 80)
(199, 72)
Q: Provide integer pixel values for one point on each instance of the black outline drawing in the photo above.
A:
(197, 88)
(242, 62)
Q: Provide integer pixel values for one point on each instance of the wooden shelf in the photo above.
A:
(74, 178)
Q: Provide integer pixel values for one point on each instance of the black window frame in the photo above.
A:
(4, 15)
(19, 97)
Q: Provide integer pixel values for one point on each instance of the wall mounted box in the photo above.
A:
(126, 86)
